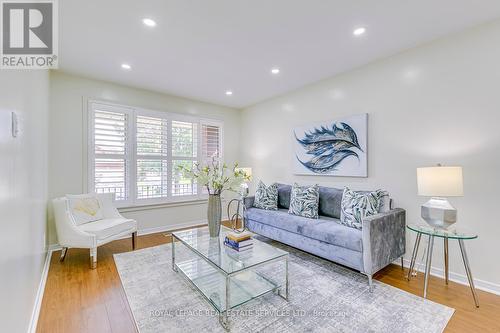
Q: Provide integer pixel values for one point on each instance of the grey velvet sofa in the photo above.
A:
(377, 244)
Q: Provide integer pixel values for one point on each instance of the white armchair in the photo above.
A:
(92, 234)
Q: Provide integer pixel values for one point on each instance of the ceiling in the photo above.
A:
(202, 48)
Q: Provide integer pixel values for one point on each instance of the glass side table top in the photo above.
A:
(227, 259)
(452, 232)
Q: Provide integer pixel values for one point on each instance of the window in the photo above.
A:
(136, 153)
(110, 147)
(152, 157)
(211, 143)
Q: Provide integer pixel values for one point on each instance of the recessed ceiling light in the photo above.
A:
(229, 92)
(149, 22)
(126, 66)
(359, 31)
(275, 70)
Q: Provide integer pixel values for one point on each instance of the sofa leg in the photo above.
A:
(402, 264)
(63, 254)
(93, 258)
(134, 240)
(370, 282)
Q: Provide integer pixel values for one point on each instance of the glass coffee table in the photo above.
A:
(225, 277)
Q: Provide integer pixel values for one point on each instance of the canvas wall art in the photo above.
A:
(332, 148)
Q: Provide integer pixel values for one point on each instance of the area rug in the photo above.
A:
(324, 297)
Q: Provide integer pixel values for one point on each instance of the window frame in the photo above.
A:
(131, 155)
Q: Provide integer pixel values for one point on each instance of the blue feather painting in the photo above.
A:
(335, 148)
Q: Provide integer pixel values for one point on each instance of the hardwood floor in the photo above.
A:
(78, 299)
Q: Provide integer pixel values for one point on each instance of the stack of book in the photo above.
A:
(239, 242)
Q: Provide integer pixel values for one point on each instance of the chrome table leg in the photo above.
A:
(223, 317)
(446, 262)
(467, 270)
(428, 264)
(287, 283)
(173, 254)
(414, 255)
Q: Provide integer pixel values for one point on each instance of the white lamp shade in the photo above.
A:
(440, 181)
(247, 171)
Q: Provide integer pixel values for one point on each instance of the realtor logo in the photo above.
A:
(29, 34)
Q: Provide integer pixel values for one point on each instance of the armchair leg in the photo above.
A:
(134, 240)
(63, 254)
(93, 258)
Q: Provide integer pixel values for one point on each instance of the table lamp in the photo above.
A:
(438, 183)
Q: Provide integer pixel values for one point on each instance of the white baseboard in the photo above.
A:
(455, 277)
(39, 294)
(147, 231)
(171, 227)
(54, 247)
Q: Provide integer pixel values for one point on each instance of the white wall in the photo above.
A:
(23, 194)
(435, 103)
(67, 157)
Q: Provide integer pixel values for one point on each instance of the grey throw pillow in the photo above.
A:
(356, 205)
(304, 201)
(266, 197)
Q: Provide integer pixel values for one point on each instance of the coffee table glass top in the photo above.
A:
(453, 232)
(227, 259)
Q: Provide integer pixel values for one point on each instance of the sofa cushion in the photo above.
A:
(108, 227)
(325, 229)
(330, 200)
(266, 197)
(357, 205)
(284, 193)
(304, 201)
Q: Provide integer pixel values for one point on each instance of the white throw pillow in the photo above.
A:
(85, 208)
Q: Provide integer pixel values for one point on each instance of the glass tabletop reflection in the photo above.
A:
(227, 259)
(452, 232)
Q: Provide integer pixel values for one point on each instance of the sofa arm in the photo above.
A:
(248, 201)
(384, 239)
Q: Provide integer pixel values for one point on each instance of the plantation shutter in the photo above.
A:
(151, 157)
(184, 136)
(211, 143)
(136, 153)
(110, 137)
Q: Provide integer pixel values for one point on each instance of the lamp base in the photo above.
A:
(439, 213)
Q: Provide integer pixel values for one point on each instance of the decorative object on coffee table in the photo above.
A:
(450, 233)
(243, 193)
(216, 177)
(439, 182)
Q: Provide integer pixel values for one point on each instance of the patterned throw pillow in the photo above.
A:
(266, 197)
(85, 208)
(304, 201)
(385, 201)
(355, 206)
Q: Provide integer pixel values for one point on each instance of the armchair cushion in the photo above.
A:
(106, 228)
(85, 208)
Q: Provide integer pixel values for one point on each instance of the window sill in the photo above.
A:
(162, 205)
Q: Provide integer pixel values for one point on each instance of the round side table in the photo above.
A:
(446, 234)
